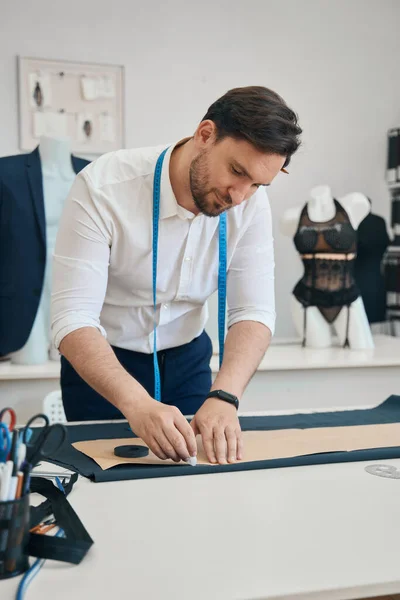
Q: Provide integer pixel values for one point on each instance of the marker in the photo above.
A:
(12, 490)
(5, 481)
(4, 492)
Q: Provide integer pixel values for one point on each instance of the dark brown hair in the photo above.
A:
(259, 116)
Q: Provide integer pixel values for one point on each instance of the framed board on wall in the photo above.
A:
(81, 101)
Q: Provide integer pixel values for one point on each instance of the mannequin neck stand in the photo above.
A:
(55, 156)
(321, 205)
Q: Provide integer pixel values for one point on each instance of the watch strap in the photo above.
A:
(225, 396)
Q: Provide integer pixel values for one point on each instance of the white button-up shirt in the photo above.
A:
(102, 271)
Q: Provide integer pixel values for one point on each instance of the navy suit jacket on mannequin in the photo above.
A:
(22, 245)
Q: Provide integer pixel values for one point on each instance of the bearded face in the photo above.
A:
(208, 199)
(228, 172)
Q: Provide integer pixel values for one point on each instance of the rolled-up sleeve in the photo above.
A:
(80, 262)
(250, 279)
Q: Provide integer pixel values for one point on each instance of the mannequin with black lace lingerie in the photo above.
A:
(324, 231)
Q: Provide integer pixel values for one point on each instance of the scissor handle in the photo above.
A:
(39, 450)
(13, 417)
(5, 442)
(32, 420)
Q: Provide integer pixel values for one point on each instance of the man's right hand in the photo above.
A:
(164, 429)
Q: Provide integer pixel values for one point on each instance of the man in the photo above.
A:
(103, 277)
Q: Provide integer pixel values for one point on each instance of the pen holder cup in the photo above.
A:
(14, 535)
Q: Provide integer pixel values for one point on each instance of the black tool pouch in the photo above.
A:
(17, 518)
(73, 547)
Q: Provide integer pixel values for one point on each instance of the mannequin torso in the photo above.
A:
(352, 326)
(321, 208)
(58, 175)
(57, 178)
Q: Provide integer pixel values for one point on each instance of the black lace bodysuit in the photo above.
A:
(327, 284)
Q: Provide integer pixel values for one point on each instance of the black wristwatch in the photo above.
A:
(224, 396)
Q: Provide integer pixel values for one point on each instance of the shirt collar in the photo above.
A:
(169, 207)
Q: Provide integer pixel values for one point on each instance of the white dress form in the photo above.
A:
(321, 208)
(57, 175)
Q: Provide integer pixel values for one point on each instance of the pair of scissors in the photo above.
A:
(47, 443)
(5, 442)
(12, 417)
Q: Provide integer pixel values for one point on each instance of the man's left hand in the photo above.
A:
(218, 424)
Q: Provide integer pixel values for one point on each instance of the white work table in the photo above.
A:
(318, 532)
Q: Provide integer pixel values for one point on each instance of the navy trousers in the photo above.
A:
(184, 372)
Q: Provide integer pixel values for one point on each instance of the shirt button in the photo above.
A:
(165, 305)
(188, 258)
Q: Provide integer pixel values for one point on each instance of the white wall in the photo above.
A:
(336, 62)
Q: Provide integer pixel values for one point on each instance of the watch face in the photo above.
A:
(228, 397)
(224, 396)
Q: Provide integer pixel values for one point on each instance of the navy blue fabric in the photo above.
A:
(22, 245)
(387, 412)
(185, 380)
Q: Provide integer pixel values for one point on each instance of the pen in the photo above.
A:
(20, 481)
(51, 474)
(43, 528)
(27, 480)
(21, 454)
(14, 460)
(46, 523)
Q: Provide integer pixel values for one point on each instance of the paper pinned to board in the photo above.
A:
(89, 88)
(263, 445)
(50, 123)
(94, 88)
(107, 128)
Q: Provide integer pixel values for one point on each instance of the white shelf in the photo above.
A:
(292, 357)
(289, 378)
(48, 370)
(280, 357)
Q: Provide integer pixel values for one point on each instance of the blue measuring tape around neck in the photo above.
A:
(221, 275)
